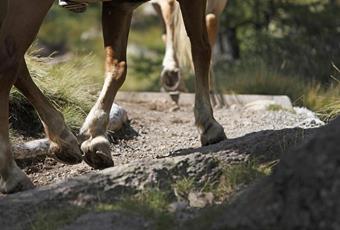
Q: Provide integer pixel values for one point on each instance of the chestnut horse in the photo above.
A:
(177, 52)
(20, 22)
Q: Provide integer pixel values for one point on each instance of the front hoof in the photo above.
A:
(97, 153)
(16, 181)
(213, 134)
(66, 154)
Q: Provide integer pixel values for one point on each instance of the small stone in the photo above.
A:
(118, 117)
(200, 199)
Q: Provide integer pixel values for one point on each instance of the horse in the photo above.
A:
(177, 52)
(20, 22)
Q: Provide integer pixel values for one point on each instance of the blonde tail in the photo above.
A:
(181, 40)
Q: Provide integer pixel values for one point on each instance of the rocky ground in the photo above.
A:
(155, 131)
(157, 148)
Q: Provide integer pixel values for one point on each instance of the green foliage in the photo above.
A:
(299, 38)
(64, 31)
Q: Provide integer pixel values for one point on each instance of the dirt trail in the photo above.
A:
(155, 132)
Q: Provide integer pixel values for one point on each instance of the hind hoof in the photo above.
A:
(66, 154)
(16, 181)
(213, 134)
(97, 153)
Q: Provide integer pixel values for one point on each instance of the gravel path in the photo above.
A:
(155, 132)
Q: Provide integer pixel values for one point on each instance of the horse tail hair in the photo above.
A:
(181, 40)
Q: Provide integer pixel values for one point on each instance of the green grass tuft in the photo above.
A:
(152, 204)
(56, 218)
(236, 177)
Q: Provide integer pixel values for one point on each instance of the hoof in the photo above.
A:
(66, 154)
(16, 181)
(213, 134)
(171, 79)
(97, 153)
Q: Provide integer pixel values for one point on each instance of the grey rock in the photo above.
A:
(108, 221)
(31, 149)
(178, 206)
(107, 185)
(118, 117)
(302, 193)
(200, 199)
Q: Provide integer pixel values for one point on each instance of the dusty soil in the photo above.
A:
(155, 131)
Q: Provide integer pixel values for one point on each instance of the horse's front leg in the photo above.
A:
(19, 25)
(194, 19)
(12, 179)
(116, 19)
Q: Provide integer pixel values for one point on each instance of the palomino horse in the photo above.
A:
(177, 53)
(20, 22)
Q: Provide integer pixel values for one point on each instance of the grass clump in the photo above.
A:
(183, 187)
(238, 176)
(69, 86)
(277, 108)
(255, 77)
(234, 178)
(151, 204)
(56, 218)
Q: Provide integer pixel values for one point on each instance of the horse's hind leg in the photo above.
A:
(116, 19)
(214, 11)
(194, 19)
(63, 144)
(171, 75)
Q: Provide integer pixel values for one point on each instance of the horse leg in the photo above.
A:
(194, 18)
(158, 9)
(212, 28)
(213, 13)
(12, 179)
(170, 76)
(63, 144)
(16, 35)
(116, 19)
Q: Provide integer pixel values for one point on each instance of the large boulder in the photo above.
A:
(302, 193)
